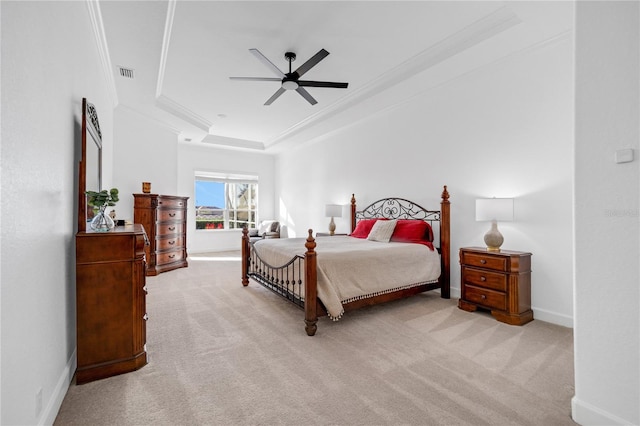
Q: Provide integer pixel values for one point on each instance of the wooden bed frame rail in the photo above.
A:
(312, 306)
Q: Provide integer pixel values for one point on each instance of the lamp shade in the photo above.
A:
(488, 209)
(333, 210)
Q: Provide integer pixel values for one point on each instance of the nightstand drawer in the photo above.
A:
(485, 297)
(496, 263)
(484, 278)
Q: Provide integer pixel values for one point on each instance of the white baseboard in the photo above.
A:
(55, 402)
(586, 414)
(552, 317)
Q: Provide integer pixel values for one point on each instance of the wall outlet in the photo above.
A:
(38, 402)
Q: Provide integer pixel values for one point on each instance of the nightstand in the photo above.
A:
(496, 281)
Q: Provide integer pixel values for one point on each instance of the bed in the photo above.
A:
(330, 275)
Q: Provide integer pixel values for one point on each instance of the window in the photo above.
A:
(225, 201)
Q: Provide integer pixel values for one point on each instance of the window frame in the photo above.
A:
(230, 213)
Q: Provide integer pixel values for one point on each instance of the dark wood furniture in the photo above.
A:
(164, 217)
(90, 164)
(110, 302)
(496, 281)
(306, 267)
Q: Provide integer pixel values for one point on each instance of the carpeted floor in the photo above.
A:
(222, 354)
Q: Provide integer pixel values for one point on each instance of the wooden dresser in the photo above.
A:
(110, 302)
(497, 281)
(164, 217)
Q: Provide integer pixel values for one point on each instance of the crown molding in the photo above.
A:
(475, 33)
(159, 123)
(185, 114)
(103, 49)
(166, 39)
(232, 142)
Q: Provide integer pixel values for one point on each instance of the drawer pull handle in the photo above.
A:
(172, 256)
(145, 317)
(172, 228)
(171, 243)
(483, 297)
(483, 278)
(145, 289)
(172, 214)
(180, 203)
(483, 261)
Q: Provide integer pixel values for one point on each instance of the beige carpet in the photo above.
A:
(222, 354)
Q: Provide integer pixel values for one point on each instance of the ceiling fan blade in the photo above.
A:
(312, 62)
(275, 96)
(306, 95)
(307, 83)
(256, 78)
(267, 62)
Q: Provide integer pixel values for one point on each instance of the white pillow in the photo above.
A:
(265, 225)
(382, 230)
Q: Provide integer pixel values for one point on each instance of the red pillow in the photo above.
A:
(409, 231)
(363, 228)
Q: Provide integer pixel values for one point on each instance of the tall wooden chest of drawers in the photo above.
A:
(497, 281)
(164, 217)
(110, 302)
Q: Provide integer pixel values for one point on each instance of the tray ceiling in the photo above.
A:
(178, 57)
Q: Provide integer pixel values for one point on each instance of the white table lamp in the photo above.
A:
(333, 210)
(494, 209)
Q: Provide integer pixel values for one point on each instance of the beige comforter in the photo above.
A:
(351, 268)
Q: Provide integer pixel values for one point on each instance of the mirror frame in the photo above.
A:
(90, 127)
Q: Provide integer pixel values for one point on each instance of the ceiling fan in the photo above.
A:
(291, 80)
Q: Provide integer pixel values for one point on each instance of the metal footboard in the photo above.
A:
(286, 280)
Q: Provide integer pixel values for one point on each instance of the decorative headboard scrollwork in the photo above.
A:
(397, 208)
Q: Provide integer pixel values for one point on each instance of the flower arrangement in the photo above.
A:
(100, 200)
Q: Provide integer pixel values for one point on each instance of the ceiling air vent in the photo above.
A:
(126, 72)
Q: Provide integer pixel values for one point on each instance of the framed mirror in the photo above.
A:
(90, 170)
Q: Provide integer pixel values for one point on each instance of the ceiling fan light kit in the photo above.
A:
(291, 80)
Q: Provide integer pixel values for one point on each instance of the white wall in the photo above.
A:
(49, 63)
(504, 130)
(144, 151)
(607, 229)
(192, 158)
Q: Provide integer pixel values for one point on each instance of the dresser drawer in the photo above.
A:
(483, 278)
(166, 229)
(170, 243)
(172, 203)
(484, 261)
(165, 215)
(485, 297)
(169, 257)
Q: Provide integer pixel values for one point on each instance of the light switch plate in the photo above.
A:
(624, 156)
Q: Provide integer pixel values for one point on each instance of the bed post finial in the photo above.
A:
(445, 195)
(310, 289)
(311, 242)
